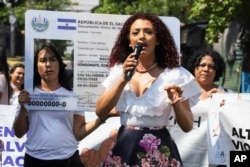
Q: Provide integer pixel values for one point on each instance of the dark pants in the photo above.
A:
(73, 161)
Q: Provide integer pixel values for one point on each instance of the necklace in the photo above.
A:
(147, 70)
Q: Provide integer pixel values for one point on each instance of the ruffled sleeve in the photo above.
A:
(186, 80)
(183, 78)
(154, 102)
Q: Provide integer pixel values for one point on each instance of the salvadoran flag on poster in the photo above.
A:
(66, 24)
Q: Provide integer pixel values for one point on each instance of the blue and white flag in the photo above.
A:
(66, 24)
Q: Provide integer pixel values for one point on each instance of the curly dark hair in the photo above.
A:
(195, 59)
(62, 76)
(166, 52)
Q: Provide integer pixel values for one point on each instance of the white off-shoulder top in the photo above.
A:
(152, 109)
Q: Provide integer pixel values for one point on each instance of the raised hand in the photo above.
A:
(174, 93)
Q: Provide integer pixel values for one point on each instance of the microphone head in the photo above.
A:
(138, 49)
(139, 44)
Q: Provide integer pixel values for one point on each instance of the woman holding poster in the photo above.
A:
(52, 136)
(202, 142)
(145, 92)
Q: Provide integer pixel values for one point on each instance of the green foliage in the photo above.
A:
(19, 10)
(4, 16)
(219, 13)
(178, 8)
(128, 6)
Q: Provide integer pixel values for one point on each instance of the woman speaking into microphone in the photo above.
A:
(155, 87)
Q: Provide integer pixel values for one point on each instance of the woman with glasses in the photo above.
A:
(208, 67)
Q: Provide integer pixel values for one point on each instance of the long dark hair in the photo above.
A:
(62, 76)
(4, 67)
(166, 52)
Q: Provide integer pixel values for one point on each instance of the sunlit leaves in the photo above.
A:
(179, 9)
(219, 13)
(19, 10)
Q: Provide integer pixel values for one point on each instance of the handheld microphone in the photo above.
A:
(137, 51)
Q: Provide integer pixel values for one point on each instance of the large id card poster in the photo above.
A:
(89, 39)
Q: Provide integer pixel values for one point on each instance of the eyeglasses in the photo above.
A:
(209, 66)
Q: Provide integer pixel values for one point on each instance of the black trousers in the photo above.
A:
(73, 161)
